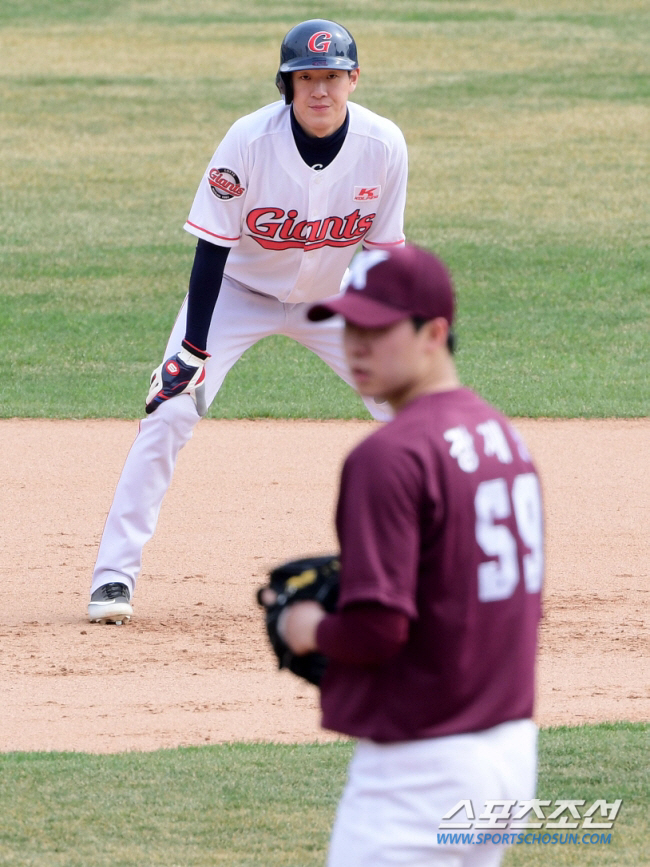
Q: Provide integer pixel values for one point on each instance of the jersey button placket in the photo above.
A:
(315, 199)
(316, 211)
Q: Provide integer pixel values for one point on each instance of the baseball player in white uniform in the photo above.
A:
(291, 192)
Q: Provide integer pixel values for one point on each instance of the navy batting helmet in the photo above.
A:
(314, 44)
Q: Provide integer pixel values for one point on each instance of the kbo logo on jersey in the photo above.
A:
(224, 183)
(320, 41)
(276, 229)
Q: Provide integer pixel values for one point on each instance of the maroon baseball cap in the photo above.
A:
(384, 286)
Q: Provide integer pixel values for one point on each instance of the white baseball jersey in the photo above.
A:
(294, 229)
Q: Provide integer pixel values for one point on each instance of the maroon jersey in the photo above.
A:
(440, 517)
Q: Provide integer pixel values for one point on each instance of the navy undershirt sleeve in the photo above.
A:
(205, 283)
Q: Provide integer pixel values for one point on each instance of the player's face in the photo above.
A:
(393, 363)
(320, 97)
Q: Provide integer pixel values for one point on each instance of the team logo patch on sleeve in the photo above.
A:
(224, 183)
(366, 194)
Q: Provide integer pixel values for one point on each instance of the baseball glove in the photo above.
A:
(311, 578)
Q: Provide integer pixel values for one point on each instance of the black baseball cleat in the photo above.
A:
(110, 604)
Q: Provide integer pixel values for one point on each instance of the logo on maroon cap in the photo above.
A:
(320, 41)
(224, 183)
(357, 275)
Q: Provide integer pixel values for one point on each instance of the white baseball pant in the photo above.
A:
(396, 795)
(241, 318)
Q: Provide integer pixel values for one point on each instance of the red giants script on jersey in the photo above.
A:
(320, 41)
(274, 229)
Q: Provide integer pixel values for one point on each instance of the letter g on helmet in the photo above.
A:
(317, 44)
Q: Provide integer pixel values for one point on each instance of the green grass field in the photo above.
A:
(527, 131)
(270, 805)
(527, 126)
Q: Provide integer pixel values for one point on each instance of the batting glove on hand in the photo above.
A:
(183, 373)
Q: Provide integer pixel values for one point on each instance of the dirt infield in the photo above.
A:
(193, 666)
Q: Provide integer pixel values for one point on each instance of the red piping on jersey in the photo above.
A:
(385, 244)
(208, 232)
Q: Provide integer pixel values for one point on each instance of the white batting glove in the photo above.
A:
(183, 373)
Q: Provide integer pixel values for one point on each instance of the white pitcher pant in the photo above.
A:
(241, 318)
(396, 795)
